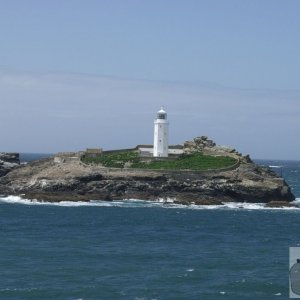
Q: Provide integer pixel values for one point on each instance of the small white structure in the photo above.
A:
(161, 134)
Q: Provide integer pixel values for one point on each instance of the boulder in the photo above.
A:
(8, 161)
(198, 144)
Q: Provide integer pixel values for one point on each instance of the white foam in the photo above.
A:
(20, 200)
(168, 200)
(14, 199)
(245, 205)
(296, 201)
(18, 289)
(254, 206)
(136, 203)
(100, 203)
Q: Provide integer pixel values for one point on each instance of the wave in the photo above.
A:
(136, 203)
(120, 203)
(296, 201)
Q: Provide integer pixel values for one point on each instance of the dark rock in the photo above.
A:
(246, 159)
(90, 177)
(182, 202)
(280, 204)
(59, 197)
(198, 201)
(8, 161)
(10, 157)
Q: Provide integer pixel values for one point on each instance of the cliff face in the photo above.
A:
(49, 181)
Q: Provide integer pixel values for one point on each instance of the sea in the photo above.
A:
(139, 250)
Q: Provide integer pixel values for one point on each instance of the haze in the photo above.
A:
(77, 74)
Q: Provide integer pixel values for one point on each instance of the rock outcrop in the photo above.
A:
(198, 144)
(48, 181)
(206, 146)
(8, 161)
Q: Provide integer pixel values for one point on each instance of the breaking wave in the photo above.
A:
(134, 203)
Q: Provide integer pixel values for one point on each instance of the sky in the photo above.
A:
(77, 74)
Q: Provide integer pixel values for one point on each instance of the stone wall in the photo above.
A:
(118, 151)
(63, 157)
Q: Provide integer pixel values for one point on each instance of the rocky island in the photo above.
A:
(75, 178)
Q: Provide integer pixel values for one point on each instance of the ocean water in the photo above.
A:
(140, 250)
(27, 157)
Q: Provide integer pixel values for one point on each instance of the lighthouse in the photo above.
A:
(161, 134)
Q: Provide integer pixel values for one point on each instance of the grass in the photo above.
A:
(114, 160)
(195, 161)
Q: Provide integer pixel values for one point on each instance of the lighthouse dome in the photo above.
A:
(162, 110)
(162, 114)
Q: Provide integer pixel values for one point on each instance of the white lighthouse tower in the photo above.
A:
(161, 134)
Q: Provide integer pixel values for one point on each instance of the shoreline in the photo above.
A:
(140, 203)
(62, 198)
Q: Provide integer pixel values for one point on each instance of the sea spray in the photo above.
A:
(137, 203)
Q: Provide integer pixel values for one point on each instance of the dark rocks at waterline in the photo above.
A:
(281, 204)
(64, 196)
(198, 201)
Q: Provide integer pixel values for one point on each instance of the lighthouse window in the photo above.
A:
(161, 116)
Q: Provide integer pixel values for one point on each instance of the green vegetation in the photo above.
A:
(195, 161)
(114, 160)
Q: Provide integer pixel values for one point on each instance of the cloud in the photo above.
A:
(48, 112)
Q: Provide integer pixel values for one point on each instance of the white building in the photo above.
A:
(161, 134)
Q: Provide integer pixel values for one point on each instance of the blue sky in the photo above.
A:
(227, 69)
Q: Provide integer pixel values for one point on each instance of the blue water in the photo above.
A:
(27, 157)
(289, 169)
(135, 250)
